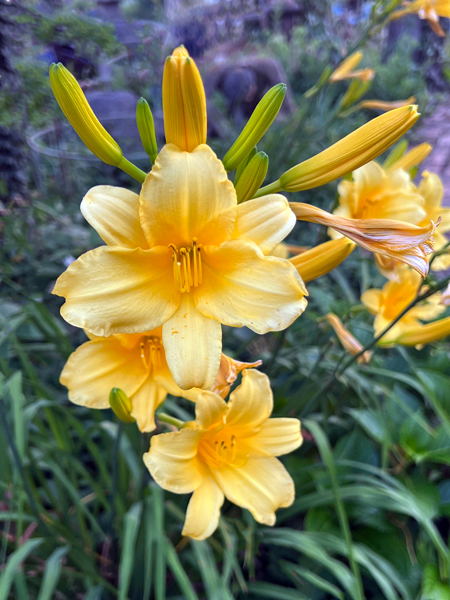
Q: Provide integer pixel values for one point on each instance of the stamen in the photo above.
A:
(144, 359)
(194, 252)
(185, 258)
(186, 275)
(200, 274)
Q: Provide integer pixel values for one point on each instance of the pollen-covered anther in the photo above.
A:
(187, 266)
(151, 352)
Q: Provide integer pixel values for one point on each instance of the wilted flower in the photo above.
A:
(228, 451)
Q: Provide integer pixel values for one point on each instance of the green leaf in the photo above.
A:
(131, 524)
(14, 561)
(432, 586)
(52, 573)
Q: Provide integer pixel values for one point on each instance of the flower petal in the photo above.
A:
(372, 299)
(172, 460)
(243, 288)
(276, 437)
(119, 290)
(265, 221)
(96, 367)
(193, 345)
(209, 410)
(251, 403)
(144, 403)
(187, 195)
(203, 511)
(261, 486)
(114, 213)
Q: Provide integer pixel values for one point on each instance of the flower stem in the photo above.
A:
(171, 420)
(272, 188)
(132, 170)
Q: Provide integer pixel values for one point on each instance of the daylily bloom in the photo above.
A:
(228, 451)
(135, 363)
(430, 10)
(186, 256)
(349, 342)
(386, 304)
(322, 259)
(346, 70)
(424, 334)
(432, 191)
(400, 241)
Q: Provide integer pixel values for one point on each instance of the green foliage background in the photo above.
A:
(79, 514)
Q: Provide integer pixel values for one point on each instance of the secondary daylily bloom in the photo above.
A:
(384, 105)
(322, 259)
(349, 342)
(432, 191)
(346, 70)
(430, 10)
(228, 451)
(386, 304)
(400, 241)
(135, 363)
(424, 334)
(186, 256)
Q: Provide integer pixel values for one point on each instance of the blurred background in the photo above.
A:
(80, 517)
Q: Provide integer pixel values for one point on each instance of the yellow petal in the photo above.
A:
(172, 460)
(432, 191)
(210, 409)
(425, 334)
(386, 105)
(242, 287)
(372, 299)
(97, 367)
(186, 196)
(114, 213)
(118, 290)
(276, 437)
(203, 511)
(144, 403)
(322, 259)
(404, 242)
(347, 65)
(251, 403)
(353, 151)
(412, 158)
(265, 221)
(193, 345)
(228, 372)
(261, 486)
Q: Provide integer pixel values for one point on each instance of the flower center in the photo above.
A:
(187, 266)
(221, 450)
(151, 352)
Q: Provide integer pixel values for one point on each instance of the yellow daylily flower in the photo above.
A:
(322, 259)
(385, 105)
(136, 364)
(432, 191)
(349, 342)
(425, 334)
(228, 451)
(346, 70)
(184, 102)
(430, 10)
(386, 304)
(400, 241)
(186, 256)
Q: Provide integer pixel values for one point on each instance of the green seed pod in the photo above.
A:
(262, 118)
(252, 177)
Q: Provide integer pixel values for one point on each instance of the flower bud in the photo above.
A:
(423, 334)
(80, 115)
(346, 66)
(184, 102)
(348, 341)
(146, 128)
(241, 166)
(262, 118)
(322, 259)
(252, 177)
(412, 158)
(386, 105)
(121, 405)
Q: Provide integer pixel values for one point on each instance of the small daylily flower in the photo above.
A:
(386, 304)
(346, 70)
(430, 10)
(349, 342)
(136, 364)
(228, 451)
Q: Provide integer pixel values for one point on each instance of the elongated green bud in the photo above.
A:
(241, 166)
(262, 118)
(121, 405)
(253, 177)
(146, 128)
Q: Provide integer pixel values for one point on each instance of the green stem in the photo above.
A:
(272, 188)
(114, 476)
(132, 170)
(165, 418)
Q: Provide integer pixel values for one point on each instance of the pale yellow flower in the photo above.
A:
(135, 363)
(228, 451)
(349, 342)
(386, 304)
(346, 70)
(432, 191)
(425, 334)
(430, 10)
(186, 256)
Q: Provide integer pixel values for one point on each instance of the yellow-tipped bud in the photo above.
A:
(348, 341)
(395, 153)
(350, 153)
(354, 92)
(322, 259)
(184, 102)
(80, 115)
(121, 405)
(346, 67)
(241, 166)
(262, 118)
(252, 177)
(412, 158)
(146, 128)
(385, 105)
(423, 334)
